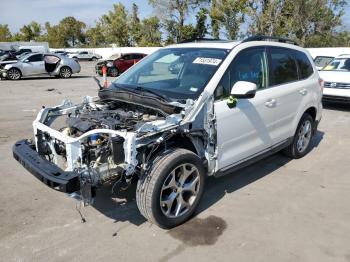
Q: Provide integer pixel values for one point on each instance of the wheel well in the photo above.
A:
(312, 112)
(19, 70)
(182, 142)
(66, 67)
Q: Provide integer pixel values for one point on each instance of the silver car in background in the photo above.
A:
(36, 64)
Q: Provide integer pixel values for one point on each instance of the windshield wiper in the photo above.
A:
(141, 88)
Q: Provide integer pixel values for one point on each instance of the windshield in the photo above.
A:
(177, 73)
(338, 64)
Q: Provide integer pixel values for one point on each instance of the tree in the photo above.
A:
(201, 27)
(151, 35)
(302, 20)
(5, 34)
(53, 36)
(215, 19)
(30, 32)
(177, 12)
(135, 25)
(95, 37)
(72, 31)
(115, 26)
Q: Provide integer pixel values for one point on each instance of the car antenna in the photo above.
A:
(98, 82)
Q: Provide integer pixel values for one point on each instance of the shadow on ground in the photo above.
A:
(121, 205)
(337, 106)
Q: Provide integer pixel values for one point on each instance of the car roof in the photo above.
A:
(344, 56)
(221, 44)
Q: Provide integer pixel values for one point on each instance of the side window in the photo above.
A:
(249, 65)
(83, 53)
(127, 57)
(283, 68)
(36, 58)
(305, 67)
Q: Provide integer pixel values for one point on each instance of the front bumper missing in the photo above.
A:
(47, 172)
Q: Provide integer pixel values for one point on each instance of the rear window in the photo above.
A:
(305, 67)
(283, 68)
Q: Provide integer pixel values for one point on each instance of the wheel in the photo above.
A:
(170, 192)
(65, 72)
(302, 138)
(94, 59)
(14, 74)
(113, 72)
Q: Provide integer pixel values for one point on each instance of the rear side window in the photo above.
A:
(305, 67)
(283, 68)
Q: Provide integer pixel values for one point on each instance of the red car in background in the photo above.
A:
(119, 65)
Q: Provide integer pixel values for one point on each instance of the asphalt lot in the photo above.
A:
(276, 210)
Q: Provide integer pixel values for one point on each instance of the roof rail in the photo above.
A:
(269, 38)
(203, 40)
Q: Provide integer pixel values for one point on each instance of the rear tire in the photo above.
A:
(170, 192)
(65, 72)
(14, 74)
(94, 59)
(302, 138)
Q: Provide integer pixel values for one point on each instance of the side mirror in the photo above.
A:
(26, 61)
(243, 89)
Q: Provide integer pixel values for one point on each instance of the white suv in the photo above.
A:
(226, 105)
(336, 76)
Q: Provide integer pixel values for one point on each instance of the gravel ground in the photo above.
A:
(276, 210)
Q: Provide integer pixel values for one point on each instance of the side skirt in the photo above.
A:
(271, 151)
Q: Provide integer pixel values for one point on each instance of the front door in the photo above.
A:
(245, 130)
(34, 65)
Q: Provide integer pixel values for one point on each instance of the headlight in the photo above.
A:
(110, 64)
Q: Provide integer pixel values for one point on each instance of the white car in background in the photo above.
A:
(336, 76)
(85, 55)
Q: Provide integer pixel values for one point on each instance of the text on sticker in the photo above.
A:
(207, 61)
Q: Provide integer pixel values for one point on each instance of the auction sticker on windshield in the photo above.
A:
(207, 61)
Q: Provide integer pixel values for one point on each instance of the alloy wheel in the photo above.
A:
(179, 190)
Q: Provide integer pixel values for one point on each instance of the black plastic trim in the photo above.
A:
(47, 172)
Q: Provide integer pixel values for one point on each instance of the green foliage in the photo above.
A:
(151, 35)
(5, 34)
(313, 23)
(115, 26)
(135, 25)
(71, 30)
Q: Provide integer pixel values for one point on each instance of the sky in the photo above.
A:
(17, 13)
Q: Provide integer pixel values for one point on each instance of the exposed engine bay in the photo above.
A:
(99, 140)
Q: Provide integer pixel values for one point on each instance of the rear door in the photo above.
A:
(289, 90)
(34, 65)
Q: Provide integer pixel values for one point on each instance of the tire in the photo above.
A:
(166, 179)
(94, 59)
(113, 72)
(65, 72)
(14, 74)
(301, 143)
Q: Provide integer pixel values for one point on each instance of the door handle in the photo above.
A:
(270, 103)
(303, 91)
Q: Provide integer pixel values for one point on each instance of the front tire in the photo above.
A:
(302, 138)
(14, 74)
(170, 192)
(65, 72)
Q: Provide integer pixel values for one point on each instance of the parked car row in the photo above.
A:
(37, 64)
(117, 64)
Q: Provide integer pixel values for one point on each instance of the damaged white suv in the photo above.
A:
(186, 112)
